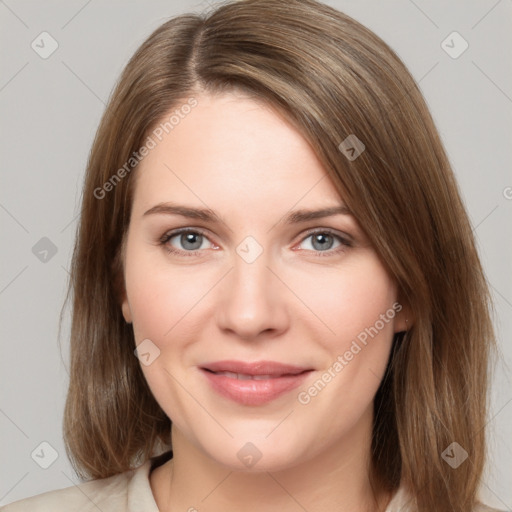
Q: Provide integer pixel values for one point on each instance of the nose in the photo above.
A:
(252, 301)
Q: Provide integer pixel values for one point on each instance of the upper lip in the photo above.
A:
(255, 368)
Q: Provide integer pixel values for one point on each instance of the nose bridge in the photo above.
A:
(251, 301)
(250, 272)
(251, 276)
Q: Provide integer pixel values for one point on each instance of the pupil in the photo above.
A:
(322, 239)
(188, 238)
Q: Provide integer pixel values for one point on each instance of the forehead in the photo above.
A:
(233, 150)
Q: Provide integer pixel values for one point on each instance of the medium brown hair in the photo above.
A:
(332, 78)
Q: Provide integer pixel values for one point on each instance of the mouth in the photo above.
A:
(253, 383)
(243, 376)
(254, 369)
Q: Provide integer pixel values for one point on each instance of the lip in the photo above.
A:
(281, 379)
(255, 368)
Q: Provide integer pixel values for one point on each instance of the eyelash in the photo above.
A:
(163, 241)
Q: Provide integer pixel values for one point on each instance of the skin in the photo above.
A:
(296, 304)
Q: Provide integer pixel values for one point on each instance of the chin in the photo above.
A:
(254, 457)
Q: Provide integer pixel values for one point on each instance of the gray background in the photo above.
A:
(50, 109)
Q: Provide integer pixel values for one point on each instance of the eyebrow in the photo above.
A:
(209, 215)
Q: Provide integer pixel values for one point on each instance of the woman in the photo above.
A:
(323, 342)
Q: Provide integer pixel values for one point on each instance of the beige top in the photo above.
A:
(131, 492)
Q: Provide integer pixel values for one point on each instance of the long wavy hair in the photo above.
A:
(332, 78)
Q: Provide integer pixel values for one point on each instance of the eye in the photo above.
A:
(187, 242)
(322, 241)
(190, 242)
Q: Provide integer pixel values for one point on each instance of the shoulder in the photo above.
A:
(403, 502)
(129, 491)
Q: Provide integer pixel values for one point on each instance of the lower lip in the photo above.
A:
(254, 392)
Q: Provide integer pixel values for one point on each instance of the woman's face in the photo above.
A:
(254, 281)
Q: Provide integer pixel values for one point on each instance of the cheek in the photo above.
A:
(160, 296)
(349, 301)
(357, 306)
(162, 300)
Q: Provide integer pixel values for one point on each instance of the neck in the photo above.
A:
(335, 480)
